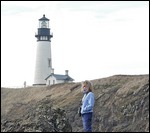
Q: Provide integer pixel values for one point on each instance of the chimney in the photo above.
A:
(66, 72)
(52, 71)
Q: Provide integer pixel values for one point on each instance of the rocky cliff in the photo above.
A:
(121, 105)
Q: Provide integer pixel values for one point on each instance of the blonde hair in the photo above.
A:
(88, 84)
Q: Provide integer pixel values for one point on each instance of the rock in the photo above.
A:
(40, 118)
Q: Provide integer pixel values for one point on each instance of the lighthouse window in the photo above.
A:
(49, 62)
(43, 24)
(43, 38)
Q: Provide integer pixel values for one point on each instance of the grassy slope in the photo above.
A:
(113, 96)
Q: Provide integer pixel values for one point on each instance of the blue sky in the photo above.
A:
(90, 39)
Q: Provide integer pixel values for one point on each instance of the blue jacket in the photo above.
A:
(88, 101)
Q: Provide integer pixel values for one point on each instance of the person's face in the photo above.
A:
(85, 87)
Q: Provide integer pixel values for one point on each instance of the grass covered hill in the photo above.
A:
(121, 105)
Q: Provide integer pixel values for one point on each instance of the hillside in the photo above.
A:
(121, 105)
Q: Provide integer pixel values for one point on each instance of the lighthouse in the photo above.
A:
(43, 64)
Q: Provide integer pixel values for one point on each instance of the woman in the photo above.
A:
(88, 101)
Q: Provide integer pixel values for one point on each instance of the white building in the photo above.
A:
(57, 78)
(43, 64)
(44, 74)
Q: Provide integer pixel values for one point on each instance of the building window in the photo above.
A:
(44, 38)
(49, 62)
(49, 82)
(43, 24)
(53, 81)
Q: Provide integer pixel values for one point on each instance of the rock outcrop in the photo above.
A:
(36, 117)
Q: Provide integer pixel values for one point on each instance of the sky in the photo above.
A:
(91, 39)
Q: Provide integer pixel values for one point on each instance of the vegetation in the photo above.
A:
(121, 105)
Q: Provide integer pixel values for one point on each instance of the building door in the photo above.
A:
(53, 81)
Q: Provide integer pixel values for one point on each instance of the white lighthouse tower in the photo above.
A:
(43, 64)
